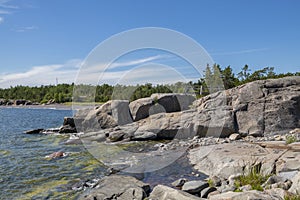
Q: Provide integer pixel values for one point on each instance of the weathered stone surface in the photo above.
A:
(140, 108)
(260, 107)
(277, 193)
(110, 114)
(223, 160)
(295, 188)
(289, 161)
(118, 187)
(161, 192)
(248, 195)
(157, 103)
(194, 187)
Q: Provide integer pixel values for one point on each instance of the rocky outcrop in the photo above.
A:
(265, 106)
(110, 114)
(118, 187)
(160, 103)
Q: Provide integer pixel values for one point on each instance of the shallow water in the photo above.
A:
(25, 173)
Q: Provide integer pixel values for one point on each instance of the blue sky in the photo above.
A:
(44, 40)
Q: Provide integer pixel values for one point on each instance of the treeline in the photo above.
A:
(215, 79)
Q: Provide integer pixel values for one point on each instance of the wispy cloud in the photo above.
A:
(26, 28)
(7, 5)
(4, 12)
(142, 71)
(136, 62)
(246, 51)
(5, 8)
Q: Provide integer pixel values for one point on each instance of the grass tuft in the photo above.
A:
(254, 178)
(290, 139)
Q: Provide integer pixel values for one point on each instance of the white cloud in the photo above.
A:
(4, 4)
(1, 20)
(145, 72)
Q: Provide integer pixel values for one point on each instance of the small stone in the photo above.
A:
(179, 183)
(205, 192)
(235, 136)
(246, 188)
(194, 187)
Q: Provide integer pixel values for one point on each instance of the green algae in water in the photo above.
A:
(4, 152)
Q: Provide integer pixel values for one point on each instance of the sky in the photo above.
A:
(44, 42)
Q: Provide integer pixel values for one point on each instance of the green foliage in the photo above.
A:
(292, 197)
(290, 139)
(216, 79)
(211, 183)
(253, 177)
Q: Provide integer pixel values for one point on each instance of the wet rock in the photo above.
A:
(194, 187)
(35, 131)
(67, 129)
(69, 121)
(118, 187)
(58, 154)
(163, 192)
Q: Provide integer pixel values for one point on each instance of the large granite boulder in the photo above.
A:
(108, 115)
(118, 187)
(158, 103)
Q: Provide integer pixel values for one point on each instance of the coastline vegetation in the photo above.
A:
(215, 76)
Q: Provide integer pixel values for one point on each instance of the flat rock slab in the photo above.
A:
(223, 160)
(289, 161)
(161, 192)
(248, 195)
(118, 187)
(194, 187)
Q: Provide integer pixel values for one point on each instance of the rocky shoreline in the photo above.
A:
(248, 132)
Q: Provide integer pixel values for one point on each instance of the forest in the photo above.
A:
(215, 78)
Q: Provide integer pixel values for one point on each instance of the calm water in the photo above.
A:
(25, 173)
